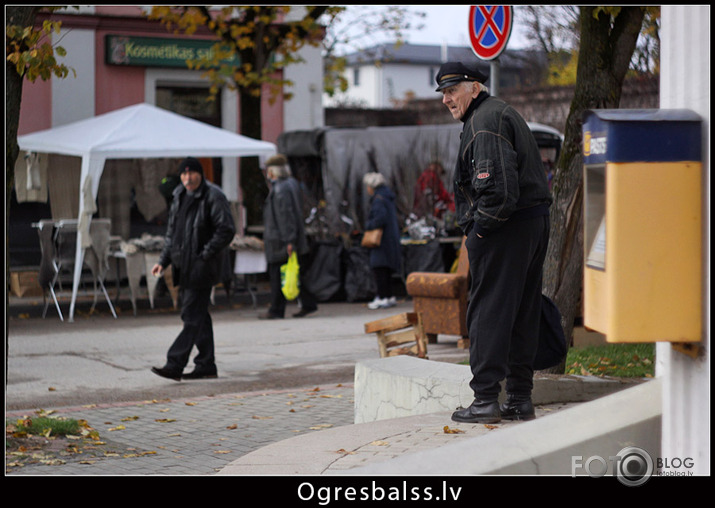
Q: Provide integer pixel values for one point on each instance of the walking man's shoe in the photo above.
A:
(516, 409)
(167, 373)
(478, 412)
(201, 374)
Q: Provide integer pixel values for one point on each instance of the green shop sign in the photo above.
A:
(157, 51)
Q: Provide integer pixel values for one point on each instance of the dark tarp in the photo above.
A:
(342, 157)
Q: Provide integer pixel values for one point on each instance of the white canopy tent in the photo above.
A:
(139, 131)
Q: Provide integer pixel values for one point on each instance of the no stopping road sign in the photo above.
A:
(489, 29)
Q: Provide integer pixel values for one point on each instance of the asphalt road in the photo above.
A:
(98, 359)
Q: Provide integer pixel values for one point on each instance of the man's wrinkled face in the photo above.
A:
(191, 180)
(458, 97)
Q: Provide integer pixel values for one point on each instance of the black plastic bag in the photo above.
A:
(552, 340)
(359, 279)
(324, 277)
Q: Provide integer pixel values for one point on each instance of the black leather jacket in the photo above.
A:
(499, 174)
(207, 231)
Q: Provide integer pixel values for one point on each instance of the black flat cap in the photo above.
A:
(451, 73)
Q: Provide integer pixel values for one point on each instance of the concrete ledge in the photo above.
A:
(545, 446)
(405, 386)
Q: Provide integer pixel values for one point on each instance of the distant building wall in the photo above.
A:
(546, 105)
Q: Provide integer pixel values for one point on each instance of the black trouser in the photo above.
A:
(197, 331)
(278, 301)
(383, 281)
(504, 312)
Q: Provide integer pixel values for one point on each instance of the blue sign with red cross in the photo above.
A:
(489, 29)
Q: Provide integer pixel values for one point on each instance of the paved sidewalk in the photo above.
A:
(340, 450)
(198, 436)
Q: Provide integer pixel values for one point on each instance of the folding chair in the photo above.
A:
(61, 252)
(48, 275)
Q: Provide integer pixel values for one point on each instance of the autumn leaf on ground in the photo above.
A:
(344, 451)
(118, 427)
(321, 426)
(190, 403)
(447, 430)
(130, 418)
(379, 443)
(255, 417)
(232, 427)
(491, 427)
(164, 420)
(332, 396)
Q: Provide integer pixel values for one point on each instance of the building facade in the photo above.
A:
(120, 58)
(389, 75)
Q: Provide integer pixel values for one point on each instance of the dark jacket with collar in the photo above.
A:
(499, 174)
(207, 230)
(383, 214)
(283, 221)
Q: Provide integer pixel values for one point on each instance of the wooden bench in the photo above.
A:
(394, 334)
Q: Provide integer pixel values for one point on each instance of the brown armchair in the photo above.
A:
(441, 299)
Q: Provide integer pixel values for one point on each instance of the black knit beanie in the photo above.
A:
(191, 164)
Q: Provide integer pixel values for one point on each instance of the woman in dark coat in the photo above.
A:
(385, 259)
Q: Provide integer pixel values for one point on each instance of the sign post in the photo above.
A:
(489, 31)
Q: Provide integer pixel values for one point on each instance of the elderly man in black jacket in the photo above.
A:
(200, 227)
(502, 204)
(284, 234)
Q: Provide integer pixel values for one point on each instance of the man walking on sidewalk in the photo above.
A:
(200, 227)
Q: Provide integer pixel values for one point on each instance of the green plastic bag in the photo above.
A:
(289, 278)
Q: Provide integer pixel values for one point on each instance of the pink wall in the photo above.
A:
(271, 117)
(118, 86)
(36, 107)
(115, 86)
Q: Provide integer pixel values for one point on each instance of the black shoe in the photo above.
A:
(304, 312)
(201, 374)
(268, 315)
(167, 373)
(478, 412)
(517, 409)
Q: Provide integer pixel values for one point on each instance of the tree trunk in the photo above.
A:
(604, 55)
(22, 16)
(252, 181)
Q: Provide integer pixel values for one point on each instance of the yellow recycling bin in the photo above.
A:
(643, 261)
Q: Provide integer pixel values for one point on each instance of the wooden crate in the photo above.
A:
(25, 283)
(402, 334)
